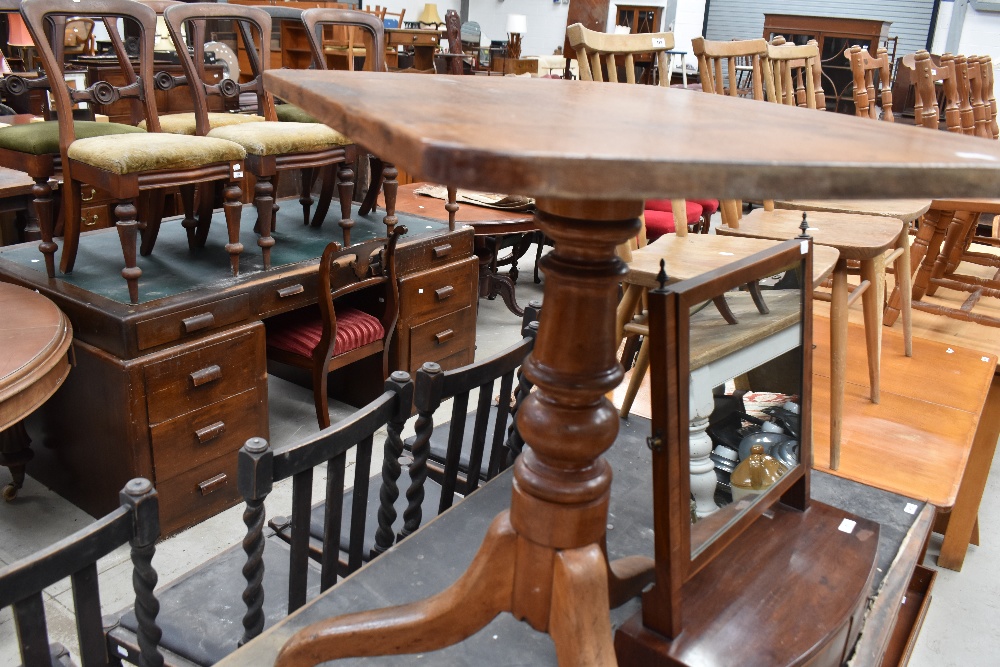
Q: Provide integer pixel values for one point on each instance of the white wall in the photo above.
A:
(980, 35)
(546, 22)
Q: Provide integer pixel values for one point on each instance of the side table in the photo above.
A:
(494, 230)
(35, 336)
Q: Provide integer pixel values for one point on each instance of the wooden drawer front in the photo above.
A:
(200, 436)
(288, 295)
(442, 337)
(198, 493)
(165, 329)
(428, 295)
(203, 376)
(94, 217)
(433, 252)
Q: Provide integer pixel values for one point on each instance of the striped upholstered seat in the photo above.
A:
(301, 332)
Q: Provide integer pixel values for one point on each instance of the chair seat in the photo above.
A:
(694, 210)
(289, 113)
(708, 206)
(855, 236)
(201, 612)
(281, 138)
(43, 138)
(153, 151)
(184, 123)
(300, 333)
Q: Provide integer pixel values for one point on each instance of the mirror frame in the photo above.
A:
(669, 326)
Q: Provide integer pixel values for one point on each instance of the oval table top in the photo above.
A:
(34, 338)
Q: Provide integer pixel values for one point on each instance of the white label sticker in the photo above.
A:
(420, 290)
(726, 254)
(804, 247)
(847, 526)
(659, 42)
(950, 351)
(910, 508)
(237, 174)
(985, 358)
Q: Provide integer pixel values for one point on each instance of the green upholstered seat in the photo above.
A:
(43, 138)
(184, 123)
(281, 138)
(154, 151)
(289, 113)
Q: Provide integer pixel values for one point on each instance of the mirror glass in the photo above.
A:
(745, 380)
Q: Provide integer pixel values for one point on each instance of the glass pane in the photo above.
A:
(744, 391)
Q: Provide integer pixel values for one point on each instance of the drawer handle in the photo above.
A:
(198, 322)
(210, 432)
(291, 290)
(206, 375)
(213, 484)
(442, 251)
(444, 293)
(444, 336)
(91, 223)
(93, 193)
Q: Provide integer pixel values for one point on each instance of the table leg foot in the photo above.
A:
(14, 454)
(578, 621)
(627, 577)
(457, 612)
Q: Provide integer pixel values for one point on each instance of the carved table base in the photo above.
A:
(543, 560)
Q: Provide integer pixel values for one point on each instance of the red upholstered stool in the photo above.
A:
(698, 210)
(660, 222)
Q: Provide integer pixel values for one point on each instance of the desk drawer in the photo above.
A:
(442, 337)
(434, 252)
(170, 328)
(288, 295)
(94, 217)
(198, 493)
(216, 430)
(203, 376)
(434, 293)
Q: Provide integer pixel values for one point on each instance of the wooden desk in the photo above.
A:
(423, 42)
(589, 178)
(155, 381)
(34, 336)
(427, 560)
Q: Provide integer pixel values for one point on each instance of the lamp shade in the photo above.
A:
(517, 23)
(17, 31)
(430, 14)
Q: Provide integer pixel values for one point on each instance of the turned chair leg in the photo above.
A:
(189, 223)
(150, 217)
(127, 226)
(377, 168)
(345, 193)
(42, 192)
(305, 196)
(233, 209)
(389, 188)
(904, 283)
(263, 201)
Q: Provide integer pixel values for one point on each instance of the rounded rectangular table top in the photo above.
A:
(576, 139)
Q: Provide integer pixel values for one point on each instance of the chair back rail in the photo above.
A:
(794, 76)
(597, 52)
(740, 58)
(872, 77)
(260, 467)
(253, 25)
(37, 16)
(318, 19)
(75, 557)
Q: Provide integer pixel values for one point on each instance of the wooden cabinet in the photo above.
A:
(834, 36)
(171, 388)
(640, 18)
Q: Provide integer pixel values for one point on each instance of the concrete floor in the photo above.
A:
(960, 629)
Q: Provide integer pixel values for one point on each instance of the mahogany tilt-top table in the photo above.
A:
(589, 159)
